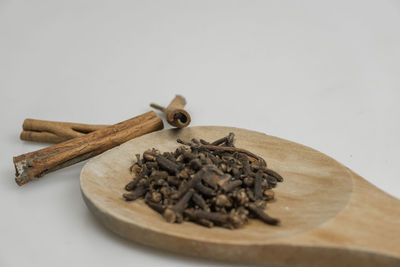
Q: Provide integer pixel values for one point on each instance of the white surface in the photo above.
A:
(321, 73)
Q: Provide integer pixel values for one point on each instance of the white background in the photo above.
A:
(322, 73)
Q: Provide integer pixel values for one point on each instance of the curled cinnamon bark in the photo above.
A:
(38, 163)
(174, 113)
(54, 131)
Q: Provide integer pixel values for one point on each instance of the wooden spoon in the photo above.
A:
(329, 215)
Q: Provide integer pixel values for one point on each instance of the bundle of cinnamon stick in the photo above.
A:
(76, 142)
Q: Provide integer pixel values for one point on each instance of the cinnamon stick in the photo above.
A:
(38, 163)
(54, 131)
(174, 113)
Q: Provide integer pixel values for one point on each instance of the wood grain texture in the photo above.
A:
(329, 215)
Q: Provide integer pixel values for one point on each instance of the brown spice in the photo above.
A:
(209, 183)
(38, 163)
(174, 113)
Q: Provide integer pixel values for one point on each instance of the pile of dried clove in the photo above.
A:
(207, 183)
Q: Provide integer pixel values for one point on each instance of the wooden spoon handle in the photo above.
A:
(366, 232)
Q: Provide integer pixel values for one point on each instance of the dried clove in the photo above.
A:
(175, 212)
(199, 201)
(257, 185)
(156, 206)
(259, 213)
(208, 183)
(228, 186)
(167, 164)
(135, 194)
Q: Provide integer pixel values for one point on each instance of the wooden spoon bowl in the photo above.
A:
(329, 215)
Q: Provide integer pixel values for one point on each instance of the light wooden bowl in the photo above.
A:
(329, 215)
